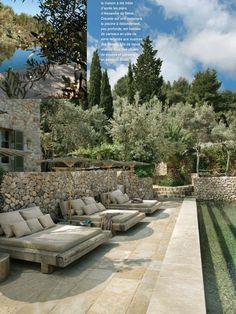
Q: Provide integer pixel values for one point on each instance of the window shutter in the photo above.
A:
(19, 145)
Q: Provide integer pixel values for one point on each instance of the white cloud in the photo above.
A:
(115, 75)
(210, 37)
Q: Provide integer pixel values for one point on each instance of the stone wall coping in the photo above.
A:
(180, 288)
(172, 187)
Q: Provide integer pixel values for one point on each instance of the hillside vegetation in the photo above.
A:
(15, 31)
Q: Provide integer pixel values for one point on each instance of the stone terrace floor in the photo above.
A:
(118, 277)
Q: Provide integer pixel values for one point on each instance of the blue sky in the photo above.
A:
(190, 35)
(28, 6)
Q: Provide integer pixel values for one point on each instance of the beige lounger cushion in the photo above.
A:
(30, 213)
(7, 219)
(77, 206)
(46, 221)
(34, 225)
(123, 216)
(59, 239)
(120, 199)
(90, 209)
(20, 229)
(88, 200)
(100, 206)
(126, 197)
(1, 231)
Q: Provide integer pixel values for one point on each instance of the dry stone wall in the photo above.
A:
(135, 186)
(47, 189)
(162, 192)
(215, 188)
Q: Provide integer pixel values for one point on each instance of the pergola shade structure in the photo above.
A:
(8, 152)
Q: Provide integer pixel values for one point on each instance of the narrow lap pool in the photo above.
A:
(217, 227)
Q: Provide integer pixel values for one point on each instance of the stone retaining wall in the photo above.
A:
(215, 188)
(135, 186)
(47, 189)
(172, 192)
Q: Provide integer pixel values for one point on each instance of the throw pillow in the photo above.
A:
(20, 229)
(7, 230)
(101, 207)
(34, 225)
(46, 221)
(90, 209)
(88, 200)
(30, 213)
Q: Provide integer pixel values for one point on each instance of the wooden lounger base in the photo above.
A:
(124, 226)
(50, 259)
(145, 210)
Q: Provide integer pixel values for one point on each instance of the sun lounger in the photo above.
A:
(119, 200)
(59, 245)
(122, 220)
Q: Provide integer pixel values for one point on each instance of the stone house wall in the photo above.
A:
(24, 115)
(215, 188)
(47, 189)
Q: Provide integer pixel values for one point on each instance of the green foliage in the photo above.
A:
(120, 88)
(102, 152)
(63, 34)
(130, 85)
(204, 88)
(95, 81)
(147, 72)
(106, 101)
(134, 128)
(168, 182)
(66, 127)
(177, 92)
(144, 171)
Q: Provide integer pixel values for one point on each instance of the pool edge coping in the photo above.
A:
(180, 286)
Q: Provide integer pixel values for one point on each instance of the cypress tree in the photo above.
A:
(95, 81)
(130, 85)
(106, 96)
(147, 72)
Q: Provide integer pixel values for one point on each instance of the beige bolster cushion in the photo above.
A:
(88, 200)
(7, 230)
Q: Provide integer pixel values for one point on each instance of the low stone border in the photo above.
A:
(180, 288)
(172, 191)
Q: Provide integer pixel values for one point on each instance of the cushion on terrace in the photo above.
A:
(64, 206)
(90, 209)
(59, 239)
(105, 198)
(46, 221)
(34, 225)
(144, 204)
(1, 231)
(6, 219)
(88, 200)
(120, 199)
(20, 229)
(100, 206)
(30, 213)
(77, 206)
(123, 216)
(7, 230)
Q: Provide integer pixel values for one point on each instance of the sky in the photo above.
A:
(190, 35)
(28, 6)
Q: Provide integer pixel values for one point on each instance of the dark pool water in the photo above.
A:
(217, 225)
(18, 60)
